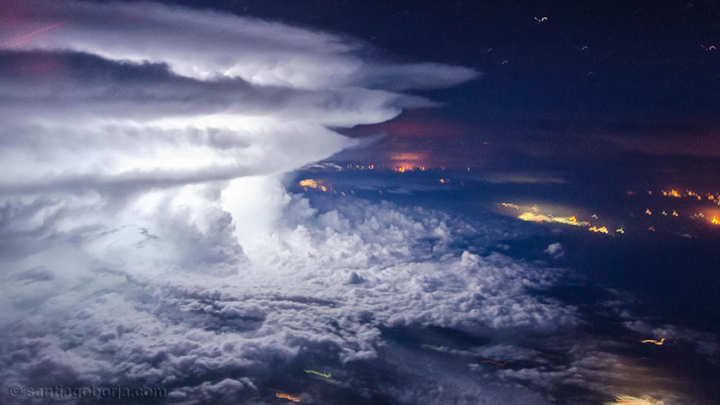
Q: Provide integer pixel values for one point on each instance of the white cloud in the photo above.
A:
(145, 238)
(555, 250)
(143, 95)
(114, 306)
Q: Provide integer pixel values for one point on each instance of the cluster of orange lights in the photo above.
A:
(403, 169)
(314, 184)
(287, 396)
(549, 218)
(689, 194)
(628, 400)
(714, 220)
(673, 193)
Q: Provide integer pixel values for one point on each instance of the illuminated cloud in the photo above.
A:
(555, 250)
(145, 237)
(147, 95)
(165, 322)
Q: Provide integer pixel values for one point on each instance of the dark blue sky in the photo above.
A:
(628, 80)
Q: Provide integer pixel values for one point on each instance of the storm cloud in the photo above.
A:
(146, 237)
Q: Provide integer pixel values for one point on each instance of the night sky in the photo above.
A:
(359, 202)
(598, 84)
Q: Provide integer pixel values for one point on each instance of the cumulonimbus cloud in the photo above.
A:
(145, 238)
(114, 92)
(112, 100)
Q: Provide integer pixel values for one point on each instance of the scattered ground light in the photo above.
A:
(655, 342)
(314, 184)
(289, 397)
(532, 217)
(533, 213)
(628, 400)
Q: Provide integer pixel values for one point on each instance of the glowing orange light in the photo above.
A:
(314, 184)
(715, 221)
(506, 205)
(651, 229)
(602, 229)
(674, 213)
(309, 183)
(648, 212)
(628, 400)
(444, 181)
(400, 169)
(27, 37)
(672, 193)
(532, 217)
(371, 167)
(496, 363)
(655, 342)
(287, 396)
(569, 221)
